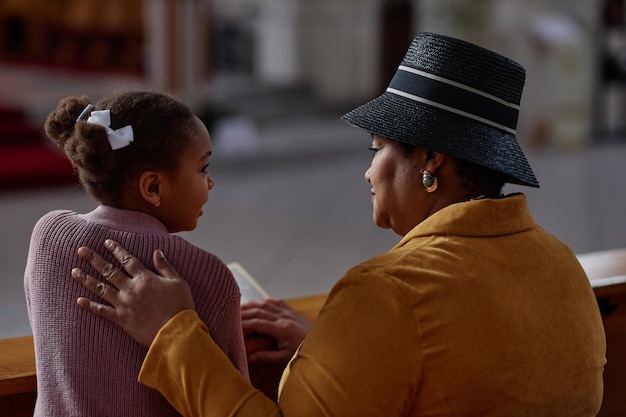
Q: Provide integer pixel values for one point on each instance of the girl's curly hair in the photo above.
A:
(162, 126)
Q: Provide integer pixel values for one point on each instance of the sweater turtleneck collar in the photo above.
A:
(126, 220)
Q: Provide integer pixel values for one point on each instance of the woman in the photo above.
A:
(477, 311)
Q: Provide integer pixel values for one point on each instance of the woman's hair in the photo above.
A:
(476, 179)
(162, 126)
(479, 180)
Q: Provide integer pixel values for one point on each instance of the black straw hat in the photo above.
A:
(453, 97)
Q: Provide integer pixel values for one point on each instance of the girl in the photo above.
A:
(144, 157)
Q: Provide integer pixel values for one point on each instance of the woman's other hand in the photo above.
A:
(273, 319)
(143, 301)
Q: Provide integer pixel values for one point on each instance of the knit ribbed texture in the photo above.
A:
(87, 366)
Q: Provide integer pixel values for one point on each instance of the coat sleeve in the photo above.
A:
(363, 355)
(196, 376)
(360, 358)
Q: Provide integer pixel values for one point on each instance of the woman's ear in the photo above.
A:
(434, 160)
(150, 187)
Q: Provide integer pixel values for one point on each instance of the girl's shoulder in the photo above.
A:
(55, 218)
(194, 263)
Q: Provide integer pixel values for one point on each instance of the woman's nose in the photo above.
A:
(210, 182)
(367, 174)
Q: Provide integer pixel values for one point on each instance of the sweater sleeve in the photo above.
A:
(361, 357)
(227, 333)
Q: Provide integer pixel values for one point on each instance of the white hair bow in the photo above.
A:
(118, 138)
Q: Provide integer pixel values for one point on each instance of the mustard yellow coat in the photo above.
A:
(476, 312)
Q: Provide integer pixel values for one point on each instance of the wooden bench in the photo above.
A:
(607, 273)
(18, 382)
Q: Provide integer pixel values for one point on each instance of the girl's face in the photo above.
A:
(397, 192)
(186, 190)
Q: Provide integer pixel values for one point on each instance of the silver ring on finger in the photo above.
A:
(101, 288)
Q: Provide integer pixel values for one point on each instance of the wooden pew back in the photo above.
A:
(607, 273)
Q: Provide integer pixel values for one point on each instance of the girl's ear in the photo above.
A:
(150, 187)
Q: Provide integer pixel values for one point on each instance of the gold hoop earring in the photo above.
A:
(429, 181)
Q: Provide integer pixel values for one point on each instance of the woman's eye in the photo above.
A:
(374, 149)
(205, 168)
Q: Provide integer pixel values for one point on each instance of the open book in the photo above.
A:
(249, 287)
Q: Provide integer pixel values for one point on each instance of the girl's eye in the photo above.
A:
(374, 149)
(205, 168)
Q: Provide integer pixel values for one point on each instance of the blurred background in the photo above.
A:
(270, 79)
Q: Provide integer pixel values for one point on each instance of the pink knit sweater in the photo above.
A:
(87, 366)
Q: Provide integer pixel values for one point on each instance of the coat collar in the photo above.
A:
(484, 217)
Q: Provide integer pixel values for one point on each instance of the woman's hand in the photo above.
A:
(144, 301)
(273, 318)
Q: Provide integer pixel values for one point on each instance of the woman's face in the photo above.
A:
(188, 187)
(397, 193)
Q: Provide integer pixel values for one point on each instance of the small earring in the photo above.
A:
(429, 181)
(158, 204)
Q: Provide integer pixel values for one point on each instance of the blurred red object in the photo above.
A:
(34, 165)
(27, 158)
